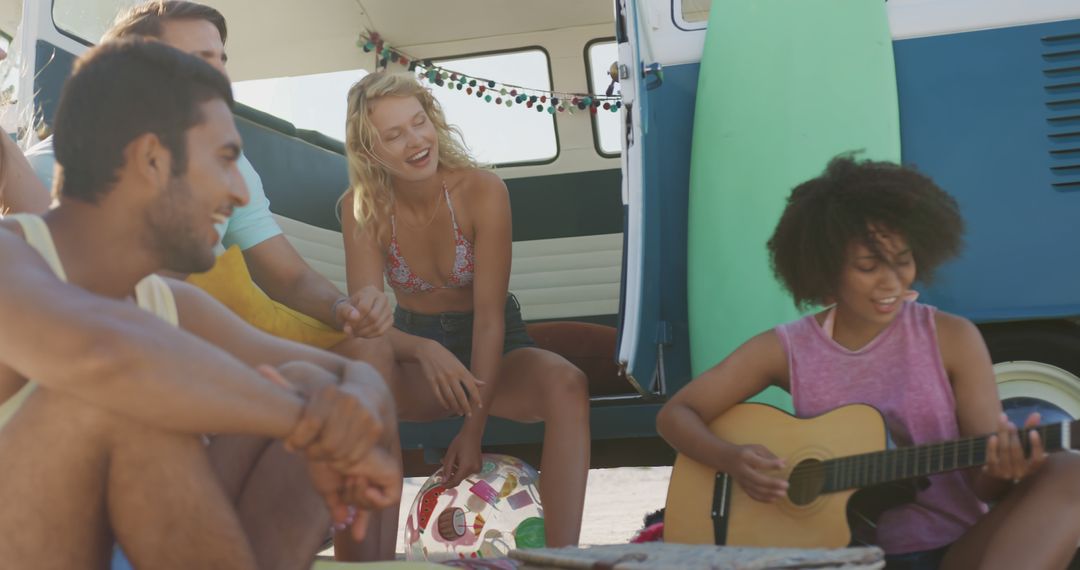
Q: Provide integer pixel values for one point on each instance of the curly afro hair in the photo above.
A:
(824, 216)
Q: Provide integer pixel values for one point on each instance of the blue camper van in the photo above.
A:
(989, 94)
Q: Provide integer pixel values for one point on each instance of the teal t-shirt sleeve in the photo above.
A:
(43, 161)
(252, 224)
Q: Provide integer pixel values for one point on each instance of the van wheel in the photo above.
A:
(1037, 368)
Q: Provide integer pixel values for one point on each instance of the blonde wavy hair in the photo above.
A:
(369, 180)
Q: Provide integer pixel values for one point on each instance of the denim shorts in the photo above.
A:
(922, 560)
(455, 330)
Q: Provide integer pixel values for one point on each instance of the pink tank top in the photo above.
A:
(900, 373)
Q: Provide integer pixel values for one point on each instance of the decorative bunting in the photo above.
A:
(489, 90)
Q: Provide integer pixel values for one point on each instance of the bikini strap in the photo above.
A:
(450, 206)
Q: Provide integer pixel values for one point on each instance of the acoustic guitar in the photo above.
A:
(827, 459)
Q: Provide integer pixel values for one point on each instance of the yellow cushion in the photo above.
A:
(230, 283)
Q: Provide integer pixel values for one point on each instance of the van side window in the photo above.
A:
(495, 133)
(600, 56)
(693, 11)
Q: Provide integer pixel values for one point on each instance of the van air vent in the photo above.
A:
(1061, 73)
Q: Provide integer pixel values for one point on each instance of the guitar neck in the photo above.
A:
(880, 467)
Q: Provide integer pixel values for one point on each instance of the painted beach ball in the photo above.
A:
(487, 515)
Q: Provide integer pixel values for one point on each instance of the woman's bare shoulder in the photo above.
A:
(473, 180)
(954, 328)
(959, 340)
(479, 187)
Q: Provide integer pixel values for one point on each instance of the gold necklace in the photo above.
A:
(434, 212)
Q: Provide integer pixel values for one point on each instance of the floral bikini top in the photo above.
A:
(401, 277)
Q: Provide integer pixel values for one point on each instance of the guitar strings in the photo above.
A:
(858, 471)
(872, 466)
(861, 470)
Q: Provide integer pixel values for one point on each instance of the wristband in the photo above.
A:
(333, 310)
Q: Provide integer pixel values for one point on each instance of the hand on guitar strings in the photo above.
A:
(748, 466)
(1005, 455)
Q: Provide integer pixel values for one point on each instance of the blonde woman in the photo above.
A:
(421, 213)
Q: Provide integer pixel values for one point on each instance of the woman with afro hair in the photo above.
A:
(854, 240)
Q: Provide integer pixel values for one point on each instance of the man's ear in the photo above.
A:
(147, 158)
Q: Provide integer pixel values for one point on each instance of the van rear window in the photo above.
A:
(602, 55)
(495, 133)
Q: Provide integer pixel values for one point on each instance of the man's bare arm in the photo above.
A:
(309, 370)
(114, 355)
(205, 317)
(278, 269)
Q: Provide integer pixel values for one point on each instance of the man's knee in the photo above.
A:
(56, 417)
(49, 411)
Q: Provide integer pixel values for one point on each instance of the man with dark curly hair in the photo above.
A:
(110, 375)
(856, 239)
(302, 305)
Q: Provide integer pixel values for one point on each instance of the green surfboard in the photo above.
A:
(784, 86)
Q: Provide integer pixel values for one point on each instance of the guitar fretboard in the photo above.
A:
(870, 469)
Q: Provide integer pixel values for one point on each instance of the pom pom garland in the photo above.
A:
(543, 100)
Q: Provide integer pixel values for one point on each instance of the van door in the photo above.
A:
(660, 48)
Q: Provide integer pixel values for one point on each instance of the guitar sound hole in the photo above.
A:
(806, 481)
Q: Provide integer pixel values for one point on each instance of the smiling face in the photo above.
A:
(196, 37)
(180, 222)
(406, 144)
(872, 285)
